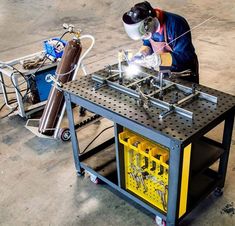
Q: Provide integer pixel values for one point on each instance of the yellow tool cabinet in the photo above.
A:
(146, 170)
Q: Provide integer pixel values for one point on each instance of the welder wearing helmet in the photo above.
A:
(165, 41)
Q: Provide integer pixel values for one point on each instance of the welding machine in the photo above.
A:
(39, 88)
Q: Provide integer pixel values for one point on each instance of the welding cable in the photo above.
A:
(7, 86)
(20, 73)
(15, 70)
(12, 101)
(12, 87)
(9, 113)
(95, 138)
(22, 90)
(18, 90)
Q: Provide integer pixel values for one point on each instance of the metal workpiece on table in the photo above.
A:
(150, 89)
(174, 126)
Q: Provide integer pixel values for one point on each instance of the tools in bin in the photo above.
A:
(139, 176)
(163, 195)
(146, 168)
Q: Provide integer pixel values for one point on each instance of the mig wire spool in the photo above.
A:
(146, 168)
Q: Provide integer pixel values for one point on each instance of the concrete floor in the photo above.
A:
(38, 184)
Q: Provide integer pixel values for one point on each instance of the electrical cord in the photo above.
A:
(9, 112)
(95, 138)
(22, 90)
(15, 70)
(12, 101)
(2, 106)
(17, 87)
(11, 87)
(14, 86)
(7, 86)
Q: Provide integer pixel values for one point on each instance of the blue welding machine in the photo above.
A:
(39, 88)
(43, 87)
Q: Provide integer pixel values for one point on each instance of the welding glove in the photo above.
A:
(137, 58)
(152, 61)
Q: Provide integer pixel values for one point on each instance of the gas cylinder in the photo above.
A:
(64, 73)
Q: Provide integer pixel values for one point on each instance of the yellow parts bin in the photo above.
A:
(146, 170)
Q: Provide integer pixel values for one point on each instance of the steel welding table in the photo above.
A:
(174, 132)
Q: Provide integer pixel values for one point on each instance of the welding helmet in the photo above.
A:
(140, 21)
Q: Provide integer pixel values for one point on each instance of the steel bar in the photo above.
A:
(153, 101)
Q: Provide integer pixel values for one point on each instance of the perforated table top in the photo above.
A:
(174, 125)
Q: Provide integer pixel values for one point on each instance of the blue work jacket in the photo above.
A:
(183, 52)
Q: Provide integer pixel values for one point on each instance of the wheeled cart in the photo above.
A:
(38, 87)
(166, 165)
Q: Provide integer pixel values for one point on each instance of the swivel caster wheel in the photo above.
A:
(159, 221)
(64, 134)
(94, 179)
(218, 192)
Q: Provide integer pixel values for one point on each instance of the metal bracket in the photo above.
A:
(56, 83)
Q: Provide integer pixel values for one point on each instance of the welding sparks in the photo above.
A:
(132, 70)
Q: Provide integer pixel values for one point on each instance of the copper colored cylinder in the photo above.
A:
(55, 100)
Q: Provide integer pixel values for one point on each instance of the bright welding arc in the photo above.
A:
(132, 70)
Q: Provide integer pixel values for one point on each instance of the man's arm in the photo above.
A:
(146, 48)
(164, 59)
(143, 52)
